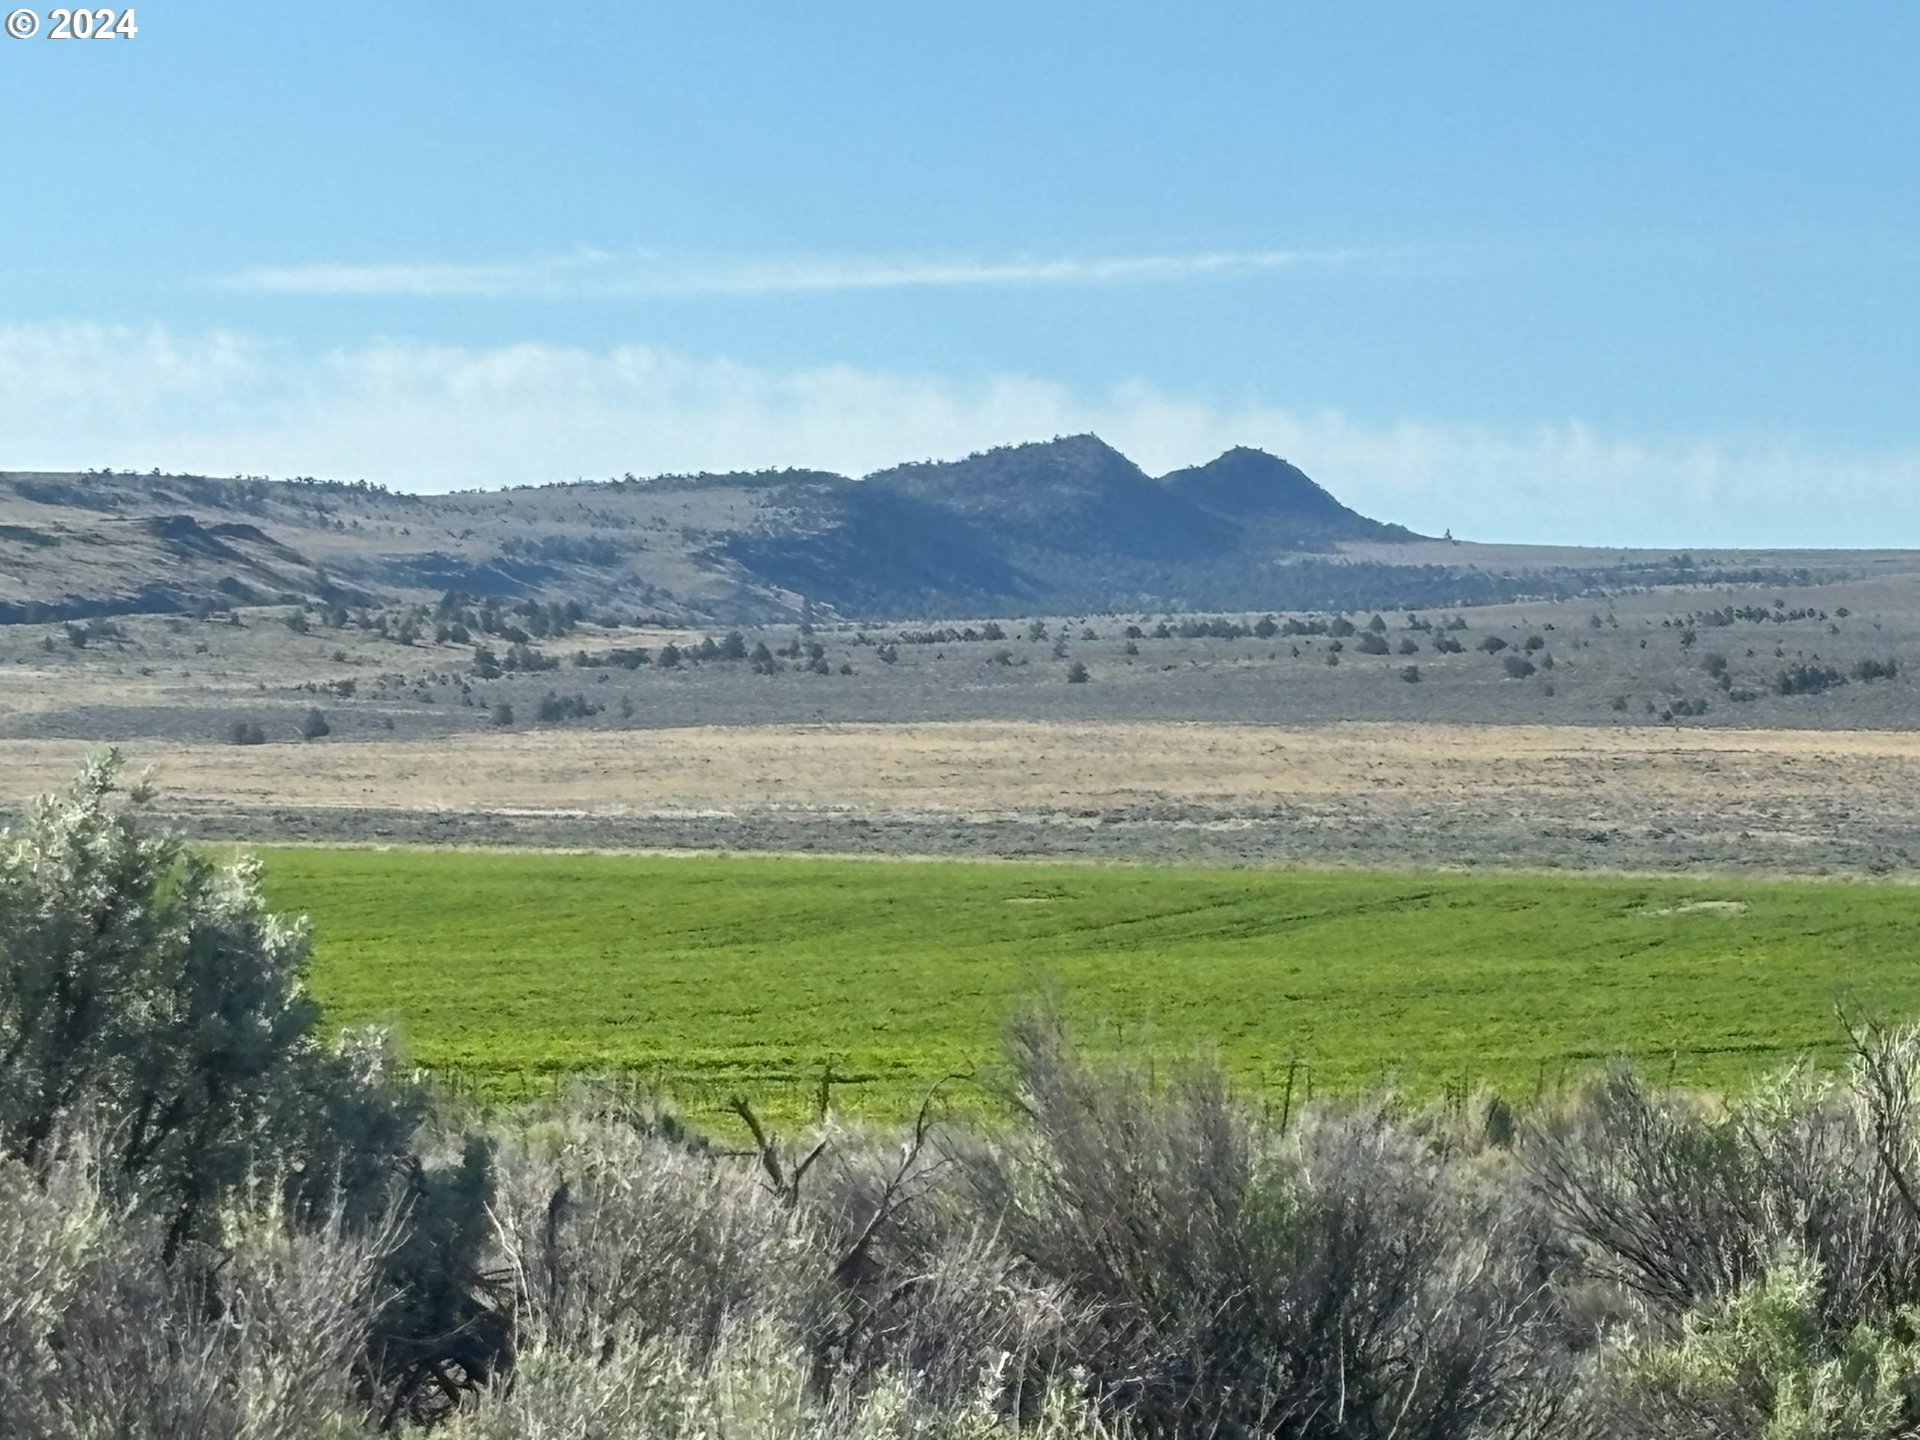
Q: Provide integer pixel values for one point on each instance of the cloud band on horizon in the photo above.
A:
(75, 396)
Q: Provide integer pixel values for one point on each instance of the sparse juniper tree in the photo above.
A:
(313, 725)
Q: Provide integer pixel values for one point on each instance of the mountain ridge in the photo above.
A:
(1066, 523)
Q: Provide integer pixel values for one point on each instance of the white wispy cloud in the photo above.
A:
(599, 274)
(423, 417)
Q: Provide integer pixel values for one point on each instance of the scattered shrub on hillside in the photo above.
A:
(1409, 646)
(1517, 667)
(314, 726)
(1372, 642)
(501, 715)
(554, 708)
(1807, 679)
(1447, 645)
(1410, 674)
(523, 657)
(1492, 644)
(246, 732)
(1077, 673)
(1870, 670)
(1535, 642)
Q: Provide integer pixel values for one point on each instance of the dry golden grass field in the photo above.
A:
(1800, 801)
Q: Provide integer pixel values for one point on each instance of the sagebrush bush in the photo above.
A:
(618, 1238)
(1764, 1362)
(1332, 1280)
(152, 1015)
(102, 1334)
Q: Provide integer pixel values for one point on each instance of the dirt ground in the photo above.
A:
(1626, 797)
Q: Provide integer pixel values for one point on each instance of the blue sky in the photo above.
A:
(1620, 274)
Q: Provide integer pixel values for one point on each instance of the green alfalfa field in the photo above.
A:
(507, 972)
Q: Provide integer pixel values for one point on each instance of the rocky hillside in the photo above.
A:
(1069, 525)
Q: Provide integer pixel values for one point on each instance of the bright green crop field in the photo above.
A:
(703, 975)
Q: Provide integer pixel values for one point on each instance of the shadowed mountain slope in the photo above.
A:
(1251, 486)
(1065, 495)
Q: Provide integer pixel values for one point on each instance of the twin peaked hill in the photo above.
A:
(1064, 525)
